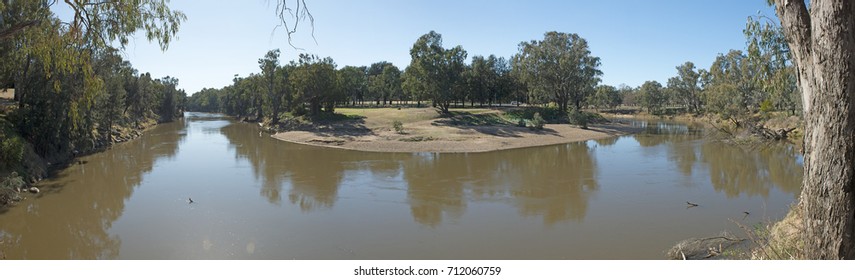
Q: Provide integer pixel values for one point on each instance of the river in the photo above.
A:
(255, 197)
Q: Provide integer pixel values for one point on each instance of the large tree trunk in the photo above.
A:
(823, 47)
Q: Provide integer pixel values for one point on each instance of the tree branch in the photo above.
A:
(15, 29)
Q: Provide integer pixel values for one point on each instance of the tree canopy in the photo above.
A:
(559, 68)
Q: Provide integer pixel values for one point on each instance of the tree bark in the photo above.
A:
(823, 47)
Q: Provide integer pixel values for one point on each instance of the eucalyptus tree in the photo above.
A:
(353, 83)
(412, 85)
(606, 96)
(652, 96)
(392, 83)
(822, 44)
(483, 79)
(686, 87)
(437, 71)
(628, 95)
(385, 84)
(269, 65)
(768, 50)
(375, 83)
(559, 68)
(70, 87)
(731, 90)
(315, 82)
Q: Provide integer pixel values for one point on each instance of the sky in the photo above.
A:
(636, 41)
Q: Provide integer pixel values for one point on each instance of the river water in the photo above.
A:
(260, 198)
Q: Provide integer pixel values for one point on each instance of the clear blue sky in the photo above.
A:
(636, 40)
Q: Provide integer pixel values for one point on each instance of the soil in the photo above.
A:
(426, 131)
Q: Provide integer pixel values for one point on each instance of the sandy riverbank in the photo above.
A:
(424, 132)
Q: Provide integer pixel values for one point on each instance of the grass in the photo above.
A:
(781, 240)
(477, 118)
(382, 117)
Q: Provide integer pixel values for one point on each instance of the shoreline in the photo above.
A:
(454, 139)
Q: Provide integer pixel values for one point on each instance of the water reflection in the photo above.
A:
(435, 186)
(258, 197)
(75, 211)
(314, 175)
(556, 182)
(737, 171)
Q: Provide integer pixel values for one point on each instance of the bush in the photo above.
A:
(579, 118)
(521, 123)
(537, 122)
(548, 113)
(11, 151)
(398, 126)
(8, 188)
(767, 106)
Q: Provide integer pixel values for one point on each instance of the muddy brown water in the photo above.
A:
(259, 198)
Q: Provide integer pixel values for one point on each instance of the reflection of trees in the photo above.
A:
(784, 169)
(732, 170)
(557, 181)
(657, 133)
(93, 198)
(314, 173)
(435, 186)
(735, 171)
(607, 141)
(554, 182)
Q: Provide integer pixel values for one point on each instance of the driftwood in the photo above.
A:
(704, 248)
(777, 134)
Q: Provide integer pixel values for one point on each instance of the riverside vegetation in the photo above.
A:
(74, 94)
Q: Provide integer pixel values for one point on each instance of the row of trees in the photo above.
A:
(737, 84)
(72, 87)
(559, 70)
(310, 85)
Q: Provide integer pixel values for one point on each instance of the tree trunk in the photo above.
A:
(823, 48)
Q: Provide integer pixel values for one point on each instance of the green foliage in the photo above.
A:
(578, 117)
(73, 88)
(766, 106)
(436, 72)
(487, 80)
(354, 82)
(9, 187)
(386, 84)
(12, 182)
(521, 123)
(686, 87)
(551, 113)
(398, 126)
(653, 96)
(315, 82)
(269, 65)
(558, 69)
(605, 96)
(11, 151)
(537, 122)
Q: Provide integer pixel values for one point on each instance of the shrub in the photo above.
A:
(537, 122)
(579, 118)
(521, 123)
(8, 187)
(398, 126)
(767, 106)
(11, 151)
